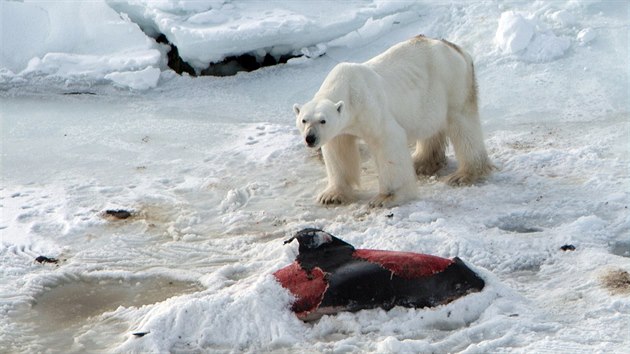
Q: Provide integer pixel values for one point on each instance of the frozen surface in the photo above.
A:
(70, 42)
(215, 177)
(207, 32)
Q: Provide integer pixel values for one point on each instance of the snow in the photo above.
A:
(74, 42)
(516, 33)
(139, 80)
(206, 32)
(216, 178)
(586, 35)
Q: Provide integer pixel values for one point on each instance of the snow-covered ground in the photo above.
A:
(216, 178)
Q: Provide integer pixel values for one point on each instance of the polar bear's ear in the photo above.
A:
(296, 109)
(339, 105)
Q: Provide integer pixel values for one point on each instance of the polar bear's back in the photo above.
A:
(427, 77)
(422, 57)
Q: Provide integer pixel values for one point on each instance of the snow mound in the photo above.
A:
(84, 41)
(515, 32)
(586, 35)
(137, 80)
(114, 40)
(232, 319)
(527, 38)
(209, 32)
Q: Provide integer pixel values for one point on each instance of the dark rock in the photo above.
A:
(73, 93)
(44, 259)
(140, 334)
(118, 214)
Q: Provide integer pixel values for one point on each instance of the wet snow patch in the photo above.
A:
(520, 223)
(617, 281)
(521, 229)
(620, 248)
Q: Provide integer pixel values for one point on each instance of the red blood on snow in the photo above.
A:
(405, 264)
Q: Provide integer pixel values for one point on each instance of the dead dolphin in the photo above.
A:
(330, 275)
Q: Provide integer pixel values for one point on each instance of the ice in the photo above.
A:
(209, 33)
(138, 80)
(72, 42)
(24, 31)
(216, 178)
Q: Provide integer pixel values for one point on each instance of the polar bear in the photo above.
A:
(420, 91)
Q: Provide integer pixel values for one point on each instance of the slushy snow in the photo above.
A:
(215, 176)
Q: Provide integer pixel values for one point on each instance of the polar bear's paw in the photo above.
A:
(334, 196)
(460, 178)
(428, 168)
(383, 201)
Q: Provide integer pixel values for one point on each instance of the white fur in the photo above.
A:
(419, 91)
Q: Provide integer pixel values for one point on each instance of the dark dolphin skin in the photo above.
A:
(330, 275)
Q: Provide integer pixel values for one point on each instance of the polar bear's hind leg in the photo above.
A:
(465, 134)
(430, 155)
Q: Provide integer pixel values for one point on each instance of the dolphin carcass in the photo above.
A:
(330, 275)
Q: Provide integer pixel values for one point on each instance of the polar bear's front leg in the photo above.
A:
(333, 195)
(342, 159)
(396, 175)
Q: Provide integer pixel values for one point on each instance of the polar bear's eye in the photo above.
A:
(303, 121)
(323, 121)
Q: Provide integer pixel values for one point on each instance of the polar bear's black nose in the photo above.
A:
(310, 140)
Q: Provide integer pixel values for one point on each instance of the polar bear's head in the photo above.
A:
(319, 121)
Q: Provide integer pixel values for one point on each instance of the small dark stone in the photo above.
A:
(72, 93)
(118, 214)
(44, 259)
(391, 215)
(568, 248)
(140, 334)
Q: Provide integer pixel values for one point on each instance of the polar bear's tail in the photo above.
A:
(472, 95)
(471, 103)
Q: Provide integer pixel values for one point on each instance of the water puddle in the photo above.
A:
(72, 316)
(522, 224)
